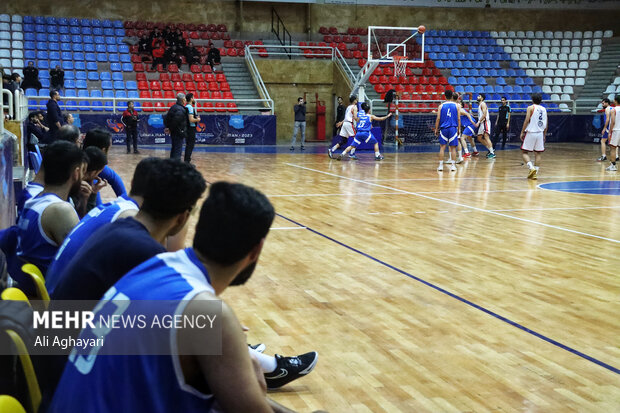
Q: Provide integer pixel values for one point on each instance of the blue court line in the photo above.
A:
(463, 300)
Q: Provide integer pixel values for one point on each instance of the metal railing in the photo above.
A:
(381, 106)
(120, 104)
(342, 64)
(258, 80)
(278, 27)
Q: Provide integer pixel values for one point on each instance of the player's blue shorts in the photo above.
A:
(365, 137)
(449, 136)
(606, 134)
(469, 130)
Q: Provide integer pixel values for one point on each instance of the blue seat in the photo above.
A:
(457, 64)
(42, 55)
(28, 28)
(467, 64)
(117, 76)
(115, 67)
(90, 57)
(517, 89)
(112, 48)
(100, 48)
(44, 92)
(99, 39)
(28, 19)
(117, 24)
(84, 105)
(54, 63)
(83, 94)
(81, 84)
(459, 89)
(125, 58)
(108, 31)
(478, 89)
(501, 72)
(108, 93)
(70, 93)
(488, 89)
(127, 67)
(529, 81)
(484, 73)
(131, 85)
(69, 84)
(514, 65)
(527, 89)
(79, 65)
(508, 89)
(519, 81)
(472, 80)
(432, 56)
(87, 39)
(96, 94)
(121, 94)
(30, 54)
(31, 92)
(97, 31)
(74, 30)
(511, 73)
(51, 20)
(54, 56)
(43, 64)
(85, 23)
(93, 76)
(81, 75)
(105, 76)
(455, 72)
(77, 47)
(536, 89)
(63, 29)
(102, 57)
(107, 84)
(78, 56)
(500, 81)
(477, 64)
(71, 105)
(493, 107)
(469, 89)
(132, 94)
(66, 55)
(97, 106)
(66, 46)
(44, 74)
(53, 38)
(499, 89)
(113, 58)
(446, 65)
(40, 28)
(481, 81)
(438, 64)
(63, 21)
(29, 45)
(53, 46)
(119, 32)
(31, 37)
(494, 96)
(74, 21)
(109, 106)
(67, 65)
(461, 81)
(89, 48)
(95, 23)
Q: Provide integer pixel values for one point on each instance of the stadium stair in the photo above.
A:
(600, 76)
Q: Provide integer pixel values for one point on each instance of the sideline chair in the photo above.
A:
(9, 404)
(34, 391)
(13, 294)
(39, 282)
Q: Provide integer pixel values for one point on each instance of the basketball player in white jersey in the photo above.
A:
(347, 130)
(614, 139)
(484, 128)
(533, 134)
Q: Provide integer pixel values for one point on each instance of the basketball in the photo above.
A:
(421, 29)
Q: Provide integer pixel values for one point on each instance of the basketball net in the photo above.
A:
(400, 65)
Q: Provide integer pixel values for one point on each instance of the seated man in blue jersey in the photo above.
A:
(447, 126)
(103, 140)
(124, 206)
(363, 134)
(48, 218)
(230, 234)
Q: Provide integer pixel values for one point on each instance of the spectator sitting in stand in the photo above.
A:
(35, 128)
(158, 56)
(192, 55)
(57, 77)
(173, 56)
(213, 56)
(31, 77)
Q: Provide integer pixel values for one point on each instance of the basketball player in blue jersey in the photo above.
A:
(363, 134)
(48, 218)
(468, 127)
(123, 207)
(230, 234)
(447, 126)
(605, 133)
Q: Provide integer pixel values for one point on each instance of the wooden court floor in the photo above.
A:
(473, 291)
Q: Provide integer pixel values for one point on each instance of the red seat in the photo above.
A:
(403, 80)
(373, 79)
(141, 77)
(323, 30)
(262, 52)
(216, 95)
(206, 69)
(220, 107)
(409, 88)
(228, 95)
(160, 107)
(413, 80)
(190, 86)
(169, 94)
(199, 77)
(145, 94)
(224, 87)
(430, 89)
(179, 85)
(147, 106)
(228, 44)
(361, 62)
(379, 88)
(186, 77)
(443, 80)
(204, 94)
(333, 30)
(221, 28)
(172, 68)
(433, 80)
(164, 77)
(220, 77)
(176, 77)
(211, 27)
(215, 36)
(167, 85)
(203, 86)
(399, 88)
(194, 36)
(378, 71)
(195, 68)
(232, 107)
(347, 39)
(157, 94)
(231, 52)
(423, 80)
(133, 49)
(383, 79)
(138, 67)
(143, 85)
(388, 71)
(357, 54)
(205, 35)
(155, 85)
(136, 59)
(208, 107)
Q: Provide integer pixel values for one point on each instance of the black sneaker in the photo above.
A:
(602, 158)
(292, 148)
(128, 150)
(290, 368)
(137, 152)
(302, 148)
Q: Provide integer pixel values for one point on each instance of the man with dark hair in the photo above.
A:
(124, 206)
(190, 140)
(614, 139)
(130, 120)
(36, 128)
(347, 129)
(447, 126)
(176, 122)
(54, 115)
(533, 134)
(192, 55)
(340, 112)
(363, 134)
(605, 133)
(69, 133)
(213, 56)
(47, 218)
(31, 77)
(484, 125)
(502, 122)
(69, 118)
(57, 76)
(300, 123)
(230, 234)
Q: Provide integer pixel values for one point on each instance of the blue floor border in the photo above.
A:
(463, 300)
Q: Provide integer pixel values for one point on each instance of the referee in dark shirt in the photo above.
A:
(502, 123)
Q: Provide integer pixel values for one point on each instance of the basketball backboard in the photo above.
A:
(384, 42)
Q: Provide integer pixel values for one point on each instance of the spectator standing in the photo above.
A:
(502, 123)
(213, 56)
(54, 115)
(130, 120)
(31, 77)
(176, 122)
(57, 77)
(300, 123)
(339, 115)
(191, 131)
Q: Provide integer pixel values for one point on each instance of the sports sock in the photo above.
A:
(460, 153)
(267, 363)
(475, 149)
(530, 165)
(491, 150)
(334, 148)
(440, 163)
(377, 154)
(352, 151)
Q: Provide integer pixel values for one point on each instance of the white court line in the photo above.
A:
(286, 228)
(490, 177)
(555, 209)
(458, 204)
(456, 191)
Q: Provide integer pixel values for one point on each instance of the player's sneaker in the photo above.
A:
(490, 155)
(440, 168)
(302, 148)
(329, 153)
(452, 167)
(339, 157)
(460, 160)
(532, 174)
(260, 347)
(601, 158)
(292, 148)
(476, 153)
(354, 157)
(379, 158)
(467, 155)
(611, 167)
(617, 159)
(290, 368)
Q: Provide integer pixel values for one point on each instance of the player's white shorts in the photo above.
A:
(615, 138)
(533, 141)
(484, 127)
(347, 130)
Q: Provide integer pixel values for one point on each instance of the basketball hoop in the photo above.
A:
(400, 65)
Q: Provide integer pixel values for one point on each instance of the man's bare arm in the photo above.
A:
(58, 220)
